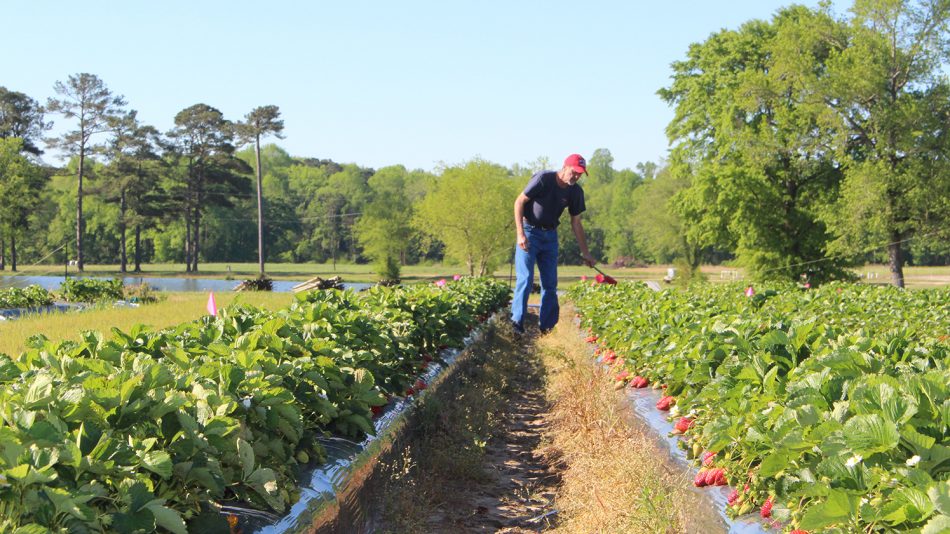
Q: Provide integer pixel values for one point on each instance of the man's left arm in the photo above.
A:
(582, 240)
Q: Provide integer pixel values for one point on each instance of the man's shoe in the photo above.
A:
(517, 328)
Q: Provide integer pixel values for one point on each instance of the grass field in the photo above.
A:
(175, 309)
(916, 277)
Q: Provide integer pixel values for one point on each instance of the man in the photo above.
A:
(537, 212)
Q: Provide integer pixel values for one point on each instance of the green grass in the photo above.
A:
(175, 309)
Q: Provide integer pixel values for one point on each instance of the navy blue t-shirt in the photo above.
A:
(548, 199)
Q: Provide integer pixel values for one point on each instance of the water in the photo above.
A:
(52, 283)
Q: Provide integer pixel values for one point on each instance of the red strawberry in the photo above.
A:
(591, 339)
(712, 475)
(665, 403)
(420, 385)
(376, 410)
(622, 375)
(426, 357)
(409, 392)
(707, 458)
(766, 510)
(684, 424)
(733, 497)
(700, 480)
(798, 530)
(721, 478)
(639, 382)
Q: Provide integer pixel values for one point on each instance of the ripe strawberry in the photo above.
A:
(665, 403)
(720, 478)
(733, 497)
(707, 458)
(622, 375)
(591, 339)
(700, 480)
(766, 510)
(409, 392)
(798, 531)
(639, 382)
(712, 475)
(684, 424)
(376, 410)
(420, 385)
(426, 357)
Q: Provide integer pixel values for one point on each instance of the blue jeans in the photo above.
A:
(542, 250)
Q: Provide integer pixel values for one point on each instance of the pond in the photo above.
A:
(52, 283)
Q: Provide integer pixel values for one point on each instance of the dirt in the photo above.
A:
(516, 478)
(519, 492)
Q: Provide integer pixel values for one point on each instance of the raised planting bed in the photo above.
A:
(205, 425)
(821, 409)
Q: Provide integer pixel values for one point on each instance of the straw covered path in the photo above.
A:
(528, 436)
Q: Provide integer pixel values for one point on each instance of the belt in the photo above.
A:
(541, 226)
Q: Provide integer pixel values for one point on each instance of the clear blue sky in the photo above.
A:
(381, 83)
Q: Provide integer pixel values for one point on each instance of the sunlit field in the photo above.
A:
(915, 277)
(174, 309)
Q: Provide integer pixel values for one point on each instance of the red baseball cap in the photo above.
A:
(576, 162)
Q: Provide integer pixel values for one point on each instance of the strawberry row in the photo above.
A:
(143, 430)
(824, 408)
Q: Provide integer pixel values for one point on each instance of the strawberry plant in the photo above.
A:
(143, 430)
(829, 407)
(27, 297)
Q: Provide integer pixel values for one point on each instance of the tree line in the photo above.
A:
(801, 145)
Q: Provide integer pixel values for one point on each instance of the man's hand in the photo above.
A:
(523, 242)
(589, 260)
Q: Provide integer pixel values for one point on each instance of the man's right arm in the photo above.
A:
(519, 217)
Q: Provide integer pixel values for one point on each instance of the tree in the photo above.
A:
(469, 210)
(21, 116)
(86, 98)
(385, 228)
(658, 226)
(131, 179)
(20, 184)
(753, 139)
(258, 123)
(887, 90)
(210, 175)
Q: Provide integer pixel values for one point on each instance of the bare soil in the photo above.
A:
(479, 463)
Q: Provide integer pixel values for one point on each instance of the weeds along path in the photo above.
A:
(530, 437)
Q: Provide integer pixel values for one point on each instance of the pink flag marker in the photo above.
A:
(212, 305)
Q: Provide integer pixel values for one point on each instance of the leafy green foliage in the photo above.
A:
(91, 290)
(141, 430)
(833, 402)
(29, 296)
